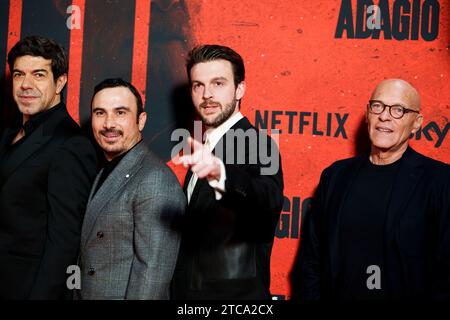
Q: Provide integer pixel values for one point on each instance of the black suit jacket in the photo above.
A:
(43, 198)
(226, 245)
(416, 233)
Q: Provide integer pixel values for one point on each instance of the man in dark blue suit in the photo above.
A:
(379, 228)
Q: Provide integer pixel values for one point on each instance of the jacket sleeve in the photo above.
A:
(156, 241)
(70, 178)
(310, 246)
(441, 276)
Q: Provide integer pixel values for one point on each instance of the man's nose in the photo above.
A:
(207, 93)
(27, 82)
(109, 122)
(385, 115)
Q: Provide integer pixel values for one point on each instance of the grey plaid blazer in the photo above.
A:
(128, 244)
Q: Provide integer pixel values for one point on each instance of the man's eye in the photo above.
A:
(219, 83)
(98, 113)
(39, 75)
(121, 112)
(377, 106)
(17, 75)
(398, 109)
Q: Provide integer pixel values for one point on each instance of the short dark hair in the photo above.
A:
(46, 48)
(211, 52)
(119, 82)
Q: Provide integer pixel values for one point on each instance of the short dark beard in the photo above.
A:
(222, 117)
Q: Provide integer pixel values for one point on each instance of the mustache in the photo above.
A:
(27, 93)
(204, 104)
(106, 131)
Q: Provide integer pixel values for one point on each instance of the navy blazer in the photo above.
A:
(416, 233)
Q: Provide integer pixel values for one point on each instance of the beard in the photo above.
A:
(224, 115)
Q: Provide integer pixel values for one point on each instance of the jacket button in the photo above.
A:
(100, 234)
(91, 271)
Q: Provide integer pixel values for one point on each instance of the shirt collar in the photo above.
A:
(40, 118)
(115, 161)
(215, 134)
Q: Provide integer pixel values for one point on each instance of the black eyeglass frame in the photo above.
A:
(404, 110)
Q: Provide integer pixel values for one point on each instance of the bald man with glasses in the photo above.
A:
(379, 228)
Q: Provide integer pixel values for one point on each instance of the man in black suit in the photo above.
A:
(46, 170)
(379, 228)
(235, 195)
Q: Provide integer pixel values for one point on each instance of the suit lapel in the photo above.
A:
(408, 176)
(7, 136)
(186, 181)
(116, 181)
(94, 185)
(344, 183)
(243, 124)
(201, 183)
(32, 144)
(39, 137)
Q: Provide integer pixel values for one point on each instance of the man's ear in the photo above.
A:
(417, 123)
(60, 83)
(141, 121)
(240, 90)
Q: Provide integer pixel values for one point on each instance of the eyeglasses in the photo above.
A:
(396, 111)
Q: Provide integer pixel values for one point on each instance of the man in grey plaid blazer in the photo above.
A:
(129, 244)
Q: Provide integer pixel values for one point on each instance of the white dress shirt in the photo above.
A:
(212, 138)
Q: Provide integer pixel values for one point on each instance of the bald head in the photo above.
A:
(390, 135)
(400, 90)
